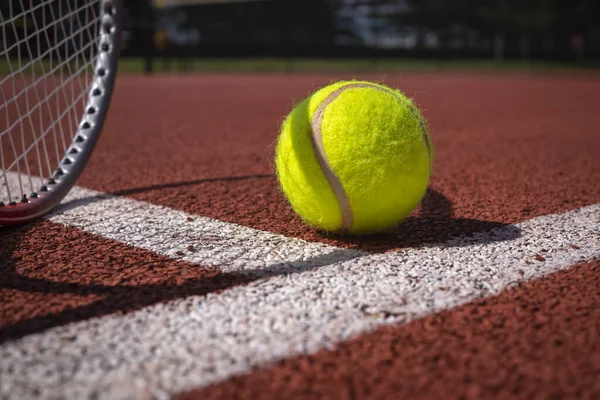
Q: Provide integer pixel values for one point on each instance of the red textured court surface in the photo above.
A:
(508, 149)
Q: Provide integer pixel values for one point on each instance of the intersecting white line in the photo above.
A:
(305, 297)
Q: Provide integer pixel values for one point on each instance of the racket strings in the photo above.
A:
(47, 54)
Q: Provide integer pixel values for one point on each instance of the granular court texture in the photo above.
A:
(538, 341)
(176, 268)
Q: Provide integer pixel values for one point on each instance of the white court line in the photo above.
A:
(230, 247)
(186, 343)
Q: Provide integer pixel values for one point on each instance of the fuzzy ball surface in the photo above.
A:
(354, 157)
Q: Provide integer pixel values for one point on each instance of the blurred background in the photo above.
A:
(193, 35)
(295, 34)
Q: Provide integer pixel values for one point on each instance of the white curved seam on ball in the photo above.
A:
(334, 181)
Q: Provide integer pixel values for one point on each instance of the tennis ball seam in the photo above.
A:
(319, 149)
(332, 178)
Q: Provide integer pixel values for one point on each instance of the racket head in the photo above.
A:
(88, 49)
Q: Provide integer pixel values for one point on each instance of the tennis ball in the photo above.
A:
(354, 157)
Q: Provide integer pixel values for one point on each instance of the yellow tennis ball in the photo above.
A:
(354, 157)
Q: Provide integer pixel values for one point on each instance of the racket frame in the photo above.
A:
(89, 129)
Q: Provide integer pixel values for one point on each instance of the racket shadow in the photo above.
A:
(126, 296)
(433, 223)
(73, 203)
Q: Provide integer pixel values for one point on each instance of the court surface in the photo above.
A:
(176, 268)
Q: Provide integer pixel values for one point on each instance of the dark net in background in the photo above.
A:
(545, 30)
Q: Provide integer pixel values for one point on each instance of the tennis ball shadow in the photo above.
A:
(432, 222)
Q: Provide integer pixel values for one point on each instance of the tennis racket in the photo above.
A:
(58, 63)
